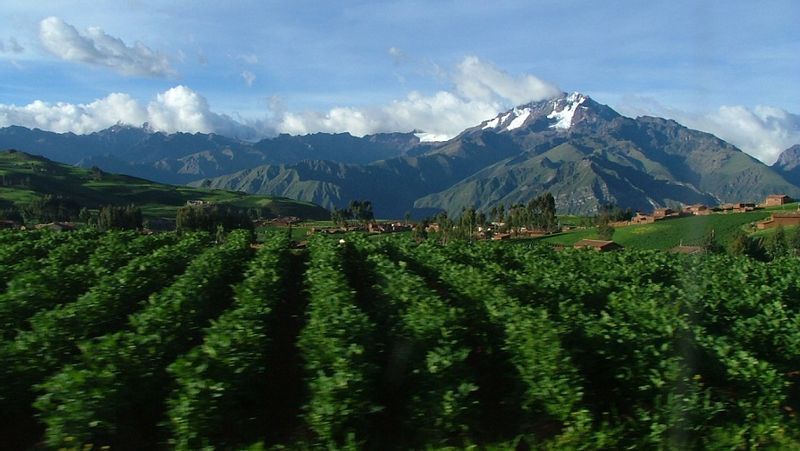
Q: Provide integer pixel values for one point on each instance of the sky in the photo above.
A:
(252, 69)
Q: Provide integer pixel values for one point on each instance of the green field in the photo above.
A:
(127, 341)
(669, 233)
(30, 177)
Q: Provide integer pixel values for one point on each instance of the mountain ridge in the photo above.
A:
(583, 152)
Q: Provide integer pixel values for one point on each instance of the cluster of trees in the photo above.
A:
(50, 208)
(538, 214)
(358, 210)
(111, 217)
(781, 243)
(210, 218)
(606, 214)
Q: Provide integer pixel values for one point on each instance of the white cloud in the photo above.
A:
(97, 48)
(478, 80)
(11, 46)
(248, 77)
(249, 58)
(176, 109)
(480, 92)
(763, 131)
(78, 118)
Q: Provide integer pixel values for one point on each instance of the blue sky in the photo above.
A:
(256, 67)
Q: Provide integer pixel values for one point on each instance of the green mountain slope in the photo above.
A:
(25, 177)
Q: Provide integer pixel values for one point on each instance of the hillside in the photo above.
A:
(25, 177)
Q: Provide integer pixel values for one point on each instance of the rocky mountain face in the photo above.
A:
(583, 152)
(788, 164)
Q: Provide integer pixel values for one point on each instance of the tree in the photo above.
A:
(775, 245)
(208, 218)
(119, 218)
(605, 231)
(710, 242)
(740, 243)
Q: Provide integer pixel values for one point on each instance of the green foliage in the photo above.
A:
(51, 208)
(605, 231)
(220, 384)
(157, 342)
(337, 346)
(119, 218)
(119, 385)
(210, 217)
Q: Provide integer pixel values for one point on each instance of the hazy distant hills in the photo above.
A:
(583, 152)
(182, 157)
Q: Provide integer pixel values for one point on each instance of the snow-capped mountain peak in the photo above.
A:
(558, 113)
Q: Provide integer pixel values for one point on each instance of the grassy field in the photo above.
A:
(29, 177)
(672, 232)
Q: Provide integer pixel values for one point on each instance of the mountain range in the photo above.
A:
(583, 152)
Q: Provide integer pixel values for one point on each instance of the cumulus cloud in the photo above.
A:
(11, 46)
(248, 77)
(95, 47)
(478, 80)
(176, 109)
(762, 131)
(480, 91)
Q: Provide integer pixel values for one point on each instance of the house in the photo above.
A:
(739, 207)
(642, 219)
(777, 199)
(696, 210)
(433, 228)
(501, 236)
(374, 227)
(56, 226)
(780, 219)
(662, 213)
(598, 245)
(682, 249)
(8, 224)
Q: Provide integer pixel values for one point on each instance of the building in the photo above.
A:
(56, 226)
(9, 224)
(739, 207)
(780, 219)
(696, 210)
(598, 245)
(777, 199)
(661, 213)
(639, 218)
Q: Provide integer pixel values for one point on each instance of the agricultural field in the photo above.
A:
(689, 230)
(175, 341)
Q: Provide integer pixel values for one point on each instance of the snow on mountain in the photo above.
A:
(522, 116)
(559, 111)
(564, 116)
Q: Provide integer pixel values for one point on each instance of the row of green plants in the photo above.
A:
(386, 343)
